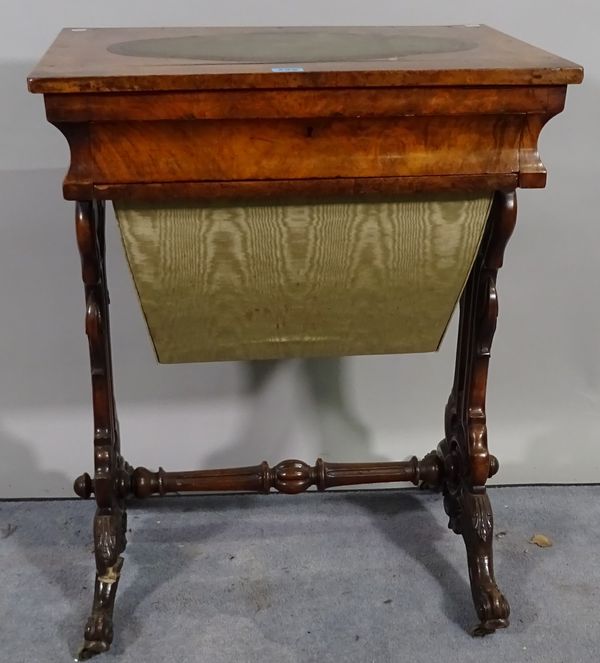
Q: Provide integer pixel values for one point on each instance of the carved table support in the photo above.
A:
(461, 465)
(110, 519)
(467, 462)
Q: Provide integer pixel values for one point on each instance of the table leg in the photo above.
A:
(110, 469)
(467, 462)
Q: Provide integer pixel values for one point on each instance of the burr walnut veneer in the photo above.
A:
(289, 141)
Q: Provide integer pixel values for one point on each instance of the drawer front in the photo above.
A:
(236, 150)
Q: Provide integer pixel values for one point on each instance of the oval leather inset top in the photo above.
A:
(263, 46)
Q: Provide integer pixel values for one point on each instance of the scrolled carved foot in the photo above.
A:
(98, 635)
(492, 608)
(476, 525)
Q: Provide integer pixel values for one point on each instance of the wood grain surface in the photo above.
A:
(138, 59)
(295, 192)
(210, 150)
(333, 142)
(261, 282)
(190, 112)
(293, 104)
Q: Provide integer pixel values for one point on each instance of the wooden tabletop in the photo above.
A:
(163, 59)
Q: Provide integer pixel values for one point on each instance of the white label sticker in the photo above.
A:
(284, 70)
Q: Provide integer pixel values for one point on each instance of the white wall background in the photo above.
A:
(544, 395)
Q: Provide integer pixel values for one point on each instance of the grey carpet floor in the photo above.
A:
(360, 577)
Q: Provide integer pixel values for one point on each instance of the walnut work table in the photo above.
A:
(296, 192)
